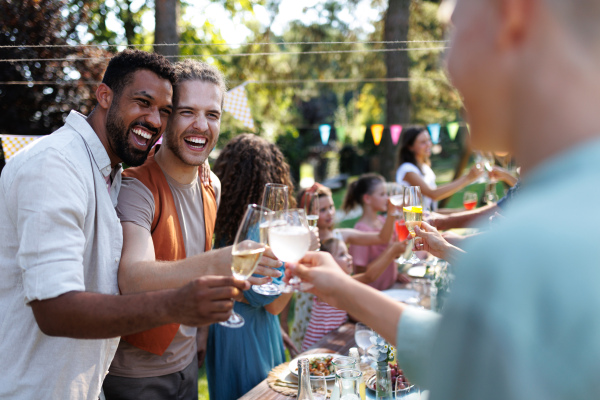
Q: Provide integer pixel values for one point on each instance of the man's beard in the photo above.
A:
(118, 136)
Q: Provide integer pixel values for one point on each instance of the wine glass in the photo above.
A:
(362, 337)
(395, 192)
(469, 200)
(275, 198)
(413, 214)
(250, 242)
(289, 238)
(311, 208)
(318, 386)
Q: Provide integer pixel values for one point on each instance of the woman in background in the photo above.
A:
(415, 168)
(369, 192)
(240, 358)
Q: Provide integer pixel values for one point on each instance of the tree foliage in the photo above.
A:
(38, 109)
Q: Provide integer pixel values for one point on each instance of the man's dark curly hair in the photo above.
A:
(245, 165)
(121, 67)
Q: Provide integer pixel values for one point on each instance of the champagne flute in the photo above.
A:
(470, 200)
(250, 242)
(289, 238)
(311, 208)
(395, 193)
(413, 214)
(275, 198)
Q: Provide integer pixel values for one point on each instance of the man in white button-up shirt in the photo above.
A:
(60, 243)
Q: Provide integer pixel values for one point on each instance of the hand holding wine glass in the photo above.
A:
(275, 198)
(413, 214)
(250, 243)
(289, 238)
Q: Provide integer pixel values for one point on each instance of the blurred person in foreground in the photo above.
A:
(168, 214)
(60, 243)
(513, 327)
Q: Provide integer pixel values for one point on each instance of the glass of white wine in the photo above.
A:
(289, 238)
(275, 198)
(362, 337)
(413, 215)
(250, 242)
(311, 208)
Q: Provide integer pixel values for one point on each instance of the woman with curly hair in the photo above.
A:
(239, 359)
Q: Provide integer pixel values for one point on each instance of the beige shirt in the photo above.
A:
(136, 204)
(58, 233)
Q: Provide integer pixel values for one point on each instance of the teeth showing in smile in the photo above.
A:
(141, 133)
(200, 141)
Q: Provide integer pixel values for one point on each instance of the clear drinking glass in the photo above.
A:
(289, 238)
(348, 382)
(318, 386)
(275, 198)
(413, 215)
(311, 209)
(250, 242)
(470, 200)
(362, 337)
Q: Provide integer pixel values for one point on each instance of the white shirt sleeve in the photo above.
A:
(50, 217)
(404, 169)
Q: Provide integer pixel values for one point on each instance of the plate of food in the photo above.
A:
(319, 365)
(396, 374)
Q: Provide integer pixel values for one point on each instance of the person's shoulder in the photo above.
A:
(130, 185)
(408, 167)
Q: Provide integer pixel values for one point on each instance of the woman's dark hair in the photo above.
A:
(407, 139)
(245, 165)
(121, 67)
(365, 184)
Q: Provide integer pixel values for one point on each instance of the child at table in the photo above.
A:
(369, 192)
(323, 317)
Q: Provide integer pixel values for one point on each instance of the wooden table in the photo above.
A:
(338, 341)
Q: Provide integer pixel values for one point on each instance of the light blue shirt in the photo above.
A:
(523, 319)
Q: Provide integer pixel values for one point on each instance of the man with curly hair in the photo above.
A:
(168, 214)
(60, 243)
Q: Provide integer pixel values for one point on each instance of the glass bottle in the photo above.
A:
(304, 389)
(353, 352)
(348, 382)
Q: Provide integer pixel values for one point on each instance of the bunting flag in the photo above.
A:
(341, 133)
(434, 130)
(11, 144)
(452, 130)
(360, 136)
(377, 132)
(395, 131)
(236, 102)
(325, 131)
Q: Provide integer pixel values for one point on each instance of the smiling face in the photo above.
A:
(342, 256)
(326, 213)
(421, 148)
(194, 127)
(137, 116)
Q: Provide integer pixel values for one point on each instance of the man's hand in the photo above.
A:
(267, 266)
(206, 300)
(429, 239)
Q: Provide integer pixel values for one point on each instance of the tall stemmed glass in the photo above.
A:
(311, 209)
(395, 192)
(413, 214)
(289, 238)
(250, 242)
(275, 198)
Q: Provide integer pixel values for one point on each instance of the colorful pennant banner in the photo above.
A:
(452, 130)
(325, 131)
(12, 143)
(377, 132)
(395, 131)
(434, 130)
(236, 102)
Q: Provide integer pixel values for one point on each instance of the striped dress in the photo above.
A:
(323, 319)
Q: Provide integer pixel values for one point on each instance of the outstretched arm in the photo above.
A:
(379, 264)
(446, 190)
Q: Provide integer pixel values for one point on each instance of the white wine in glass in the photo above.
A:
(413, 214)
(311, 208)
(250, 242)
(275, 198)
(289, 238)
